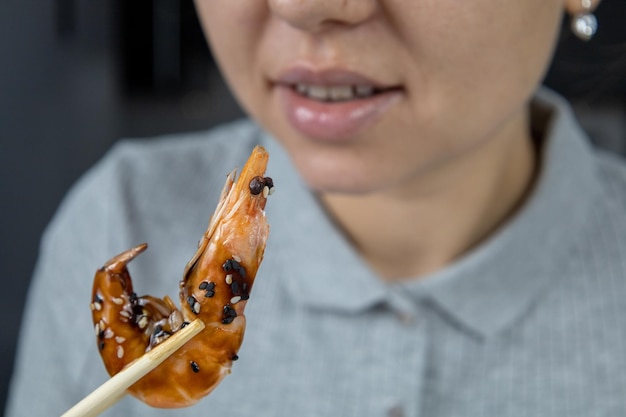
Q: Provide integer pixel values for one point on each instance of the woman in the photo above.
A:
(444, 241)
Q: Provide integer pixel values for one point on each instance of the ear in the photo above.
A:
(580, 6)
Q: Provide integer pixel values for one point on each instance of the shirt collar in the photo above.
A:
(492, 287)
(488, 289)
(319, 267)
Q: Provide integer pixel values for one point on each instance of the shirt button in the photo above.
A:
(396, 411)
(405, 317)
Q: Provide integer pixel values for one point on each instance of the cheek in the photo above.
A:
(474, 65)
(234, 30)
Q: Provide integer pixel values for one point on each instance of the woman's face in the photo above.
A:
(371, 94)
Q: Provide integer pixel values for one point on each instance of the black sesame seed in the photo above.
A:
(233, 265)
(194, 367)
(101, 334)
(245, 296)
(101, 345)
(133, 298)
(97, 298)
(203, 285)
(228, 265)
(234, 358)
(256, 185)
(209, 294)
(269, 182)
(191, 301)
(229, 315)
(235, 288)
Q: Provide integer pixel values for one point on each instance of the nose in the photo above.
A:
(315, 15)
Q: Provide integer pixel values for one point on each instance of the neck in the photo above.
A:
(422, 225)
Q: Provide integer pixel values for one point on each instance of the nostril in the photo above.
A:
(316, 15)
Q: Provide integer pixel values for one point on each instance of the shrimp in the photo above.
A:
(215, 288)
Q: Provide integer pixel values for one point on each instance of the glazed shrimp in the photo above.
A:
(215, 287)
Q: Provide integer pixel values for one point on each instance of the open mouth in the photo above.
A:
(337, 93)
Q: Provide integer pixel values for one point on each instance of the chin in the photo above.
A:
(338, 178)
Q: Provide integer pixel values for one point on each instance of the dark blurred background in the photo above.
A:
(77, 75)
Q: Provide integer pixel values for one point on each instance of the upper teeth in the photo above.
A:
(334, 93)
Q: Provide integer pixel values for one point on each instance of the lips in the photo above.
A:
(332, 105)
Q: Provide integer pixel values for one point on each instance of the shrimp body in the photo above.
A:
(215, 287)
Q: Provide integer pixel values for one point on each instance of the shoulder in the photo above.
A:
(612, 173)
(148, 179)
(137, 166)
(223, 144)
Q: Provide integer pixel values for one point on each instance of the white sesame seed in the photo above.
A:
(120, 339)
(196, 307)
(96, 328)
(236, 258)
(229, 279)
(266, 191)
(235, 299)
(97, 306)
(108, 333)
(120, 352)
(272, 190)
(117, 301)
(143, 322)
(125, 313)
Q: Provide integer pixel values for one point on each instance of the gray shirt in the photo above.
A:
(530, 323)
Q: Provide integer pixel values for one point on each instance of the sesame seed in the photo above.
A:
(233, 265)
(235, 299)
(196, 307)
(117, 301)
(229, 279)
(96, 329)
(271, 190)
(234, 357)
(125, 314)
(120, 339)
(120, 352)
(191, 300)
(194, 367)
(101, 345)
(97, 306)
(266, 191)
(143, 322)
(236, 258)
(108, 333)
(229, 314)
(203, 285)
(255, 185)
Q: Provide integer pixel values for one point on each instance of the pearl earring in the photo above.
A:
(584, 23)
